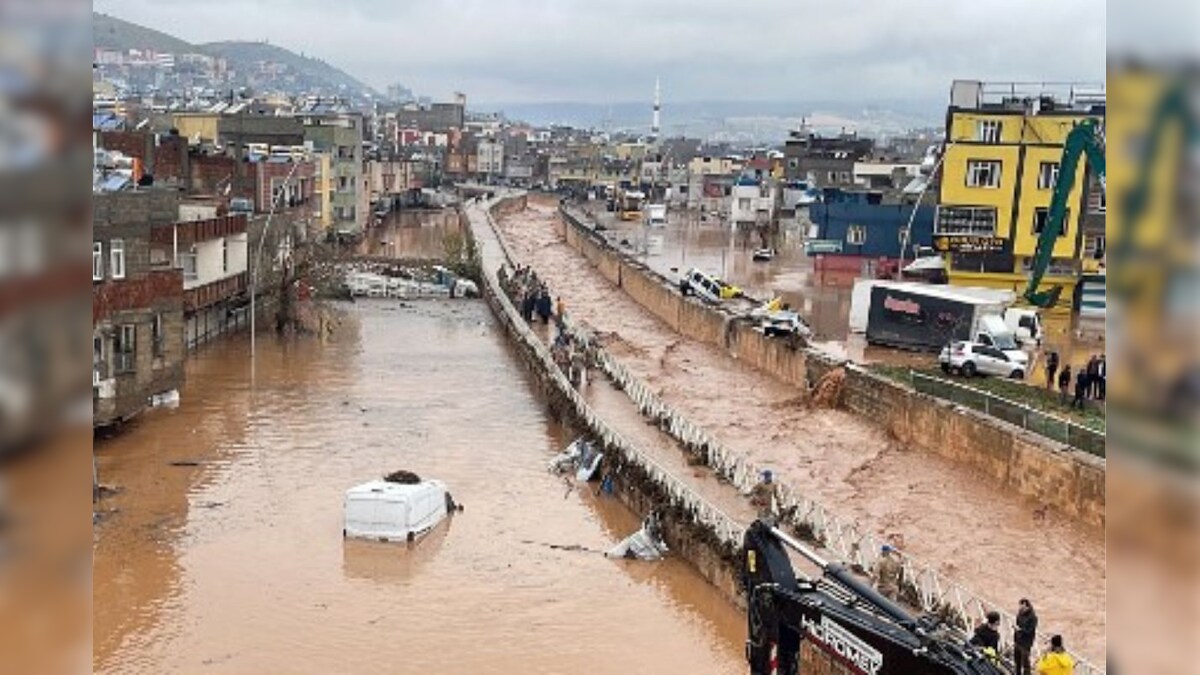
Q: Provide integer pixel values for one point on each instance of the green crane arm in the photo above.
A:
(1082, 139)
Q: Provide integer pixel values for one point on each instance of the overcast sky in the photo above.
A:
(611, 50)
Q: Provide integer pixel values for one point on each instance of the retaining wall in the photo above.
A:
(1032, 466)
(694, 529)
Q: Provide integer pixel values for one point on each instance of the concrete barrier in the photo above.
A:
(694, 528)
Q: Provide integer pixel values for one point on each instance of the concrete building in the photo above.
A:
(440, 117)
(489, 158)
(753, 203)
(1004, 144)
(341, 137)
(824, 162)
(211, 250)
(137, 306)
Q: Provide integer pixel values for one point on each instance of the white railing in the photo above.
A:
(922, 586)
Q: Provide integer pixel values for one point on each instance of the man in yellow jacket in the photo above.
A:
(1056, 661)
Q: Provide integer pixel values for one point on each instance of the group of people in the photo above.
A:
(529, 293)
(889, 571)
(1090, 381)
(1054, 659)
(573, 354)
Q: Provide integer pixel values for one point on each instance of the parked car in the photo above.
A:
(974, 358)
(783, 323)
(707, 286)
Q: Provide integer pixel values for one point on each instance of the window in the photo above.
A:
(116, 255)
(97, 261)
(125, 349)
(988, 131)
(1047, 175)
(744, 204)
(1039, 221)
(187, 262)
(856, 235)
(157, 337)
(972, 221)
(984, 173)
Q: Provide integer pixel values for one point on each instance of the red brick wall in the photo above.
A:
(155, 288)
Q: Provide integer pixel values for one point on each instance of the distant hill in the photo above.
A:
(109, 32)
(237, 52)
(304, 73)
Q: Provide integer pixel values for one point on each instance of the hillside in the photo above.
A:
(311, 69)
(109, 32)
(300, 74)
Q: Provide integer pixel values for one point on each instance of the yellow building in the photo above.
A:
(1003, 147)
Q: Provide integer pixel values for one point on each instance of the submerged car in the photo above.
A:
(974, 358)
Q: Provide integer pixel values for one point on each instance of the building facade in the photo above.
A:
(137, 306)
(341, 138)
(998, 175)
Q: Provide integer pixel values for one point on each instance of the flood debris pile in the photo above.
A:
(402, 477)
(394, 280)
(645, 544)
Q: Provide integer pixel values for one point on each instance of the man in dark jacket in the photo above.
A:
(1082, 380)
(1064, 383)
(988, 634)
(1051, 369)
(1024, 636)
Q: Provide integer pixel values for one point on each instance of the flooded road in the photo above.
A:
(223, 551)
(958, 521)
(821, 297)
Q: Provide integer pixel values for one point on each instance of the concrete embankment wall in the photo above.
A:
(1029, 465)
(694, 529)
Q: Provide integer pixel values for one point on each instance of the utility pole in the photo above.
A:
(258, 255)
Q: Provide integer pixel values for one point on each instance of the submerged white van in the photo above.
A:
(389, 511)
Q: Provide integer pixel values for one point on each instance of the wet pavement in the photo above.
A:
(223, 552)
(997, 544)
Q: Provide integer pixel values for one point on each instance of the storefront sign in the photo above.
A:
(967, 244)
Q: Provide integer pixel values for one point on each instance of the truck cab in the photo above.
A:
(993, 331)
(1026, 323)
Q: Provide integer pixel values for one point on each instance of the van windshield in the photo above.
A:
(1004, 340)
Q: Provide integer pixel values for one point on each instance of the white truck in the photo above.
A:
(928, 316)
(656, 215)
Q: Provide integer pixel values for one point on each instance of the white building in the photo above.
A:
(490, 157)
(751, 203)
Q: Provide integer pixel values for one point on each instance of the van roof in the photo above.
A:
(974, 295)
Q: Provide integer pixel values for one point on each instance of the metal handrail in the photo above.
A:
(991, 402)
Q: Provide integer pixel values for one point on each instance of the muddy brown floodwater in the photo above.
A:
(992, 541)
(223, 552)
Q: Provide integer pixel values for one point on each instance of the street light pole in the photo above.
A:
(920, 197)
(258, 255)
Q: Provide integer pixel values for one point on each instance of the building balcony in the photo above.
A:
(215, 292)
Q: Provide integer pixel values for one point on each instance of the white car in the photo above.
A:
(783, 323)
(973, 358)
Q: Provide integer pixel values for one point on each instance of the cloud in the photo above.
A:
(543, 50)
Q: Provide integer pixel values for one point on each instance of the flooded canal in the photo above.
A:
(963, 523)
(223, 550)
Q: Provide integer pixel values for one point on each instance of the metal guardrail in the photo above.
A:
(921, 583)
(1051, 426)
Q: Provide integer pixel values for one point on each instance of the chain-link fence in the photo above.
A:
(1050, 426)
